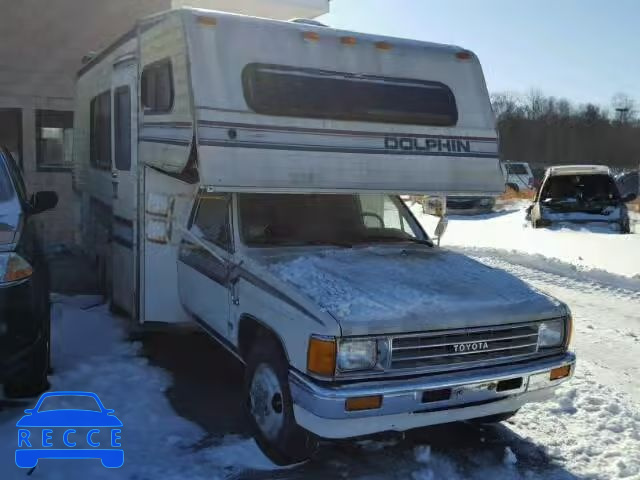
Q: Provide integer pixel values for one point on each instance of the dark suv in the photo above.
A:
(24, 285)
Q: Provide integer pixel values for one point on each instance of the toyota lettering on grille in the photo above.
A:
(470, 347)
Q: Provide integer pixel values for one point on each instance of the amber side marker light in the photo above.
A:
(311, 36)
(464, 55)
(560, 372)
(321, 356)
(348, 40)
(363, 403)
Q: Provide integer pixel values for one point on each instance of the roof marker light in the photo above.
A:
(208, 21)
(384, 46)
(464, 55)
(348, 40)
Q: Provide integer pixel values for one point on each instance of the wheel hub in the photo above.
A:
(266, 402)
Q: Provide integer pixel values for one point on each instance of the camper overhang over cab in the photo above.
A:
(290, 107)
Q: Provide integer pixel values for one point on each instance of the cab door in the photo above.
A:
(124, 174)
(204, 264)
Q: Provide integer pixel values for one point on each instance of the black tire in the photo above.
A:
(500, 417)
(32, 380)
(625, 227)
(513, 187)
(286, 443)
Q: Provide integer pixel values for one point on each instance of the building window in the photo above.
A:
(157, 87)
(11, 132)
(100, 136)
(54, 139)
(122, 126)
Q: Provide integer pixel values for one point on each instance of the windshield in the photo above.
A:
(297, 220)
(580, 189)
(516, 169)
(6, 188)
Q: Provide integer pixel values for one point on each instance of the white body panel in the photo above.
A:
(160, 300)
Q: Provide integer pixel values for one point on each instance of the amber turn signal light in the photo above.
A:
(311, 36)
(560, 372)
(355, 404)
(321, 356)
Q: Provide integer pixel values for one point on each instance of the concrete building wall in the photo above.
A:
(41, 50)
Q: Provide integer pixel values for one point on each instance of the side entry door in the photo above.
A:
(124, 186)
(204, 264)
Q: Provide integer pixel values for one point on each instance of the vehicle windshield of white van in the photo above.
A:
(343, 220)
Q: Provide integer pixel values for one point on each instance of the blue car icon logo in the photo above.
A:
(69, 433)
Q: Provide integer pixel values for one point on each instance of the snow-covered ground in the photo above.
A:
(90, 353)
(585, 247)
(590, 430)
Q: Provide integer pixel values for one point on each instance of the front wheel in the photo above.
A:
(32, 380)
(269, 407)
(625, 227)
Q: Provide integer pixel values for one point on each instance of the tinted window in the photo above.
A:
(54, 139)
(517, 169)
(157, 87)
(122, 127)
(288, 91)
(212, 220)
(101, 131)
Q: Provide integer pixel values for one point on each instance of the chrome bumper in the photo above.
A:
(321, 409)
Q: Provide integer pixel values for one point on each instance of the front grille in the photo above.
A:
(462, 347)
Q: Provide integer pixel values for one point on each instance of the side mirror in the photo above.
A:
(630, 197)
(43, 201)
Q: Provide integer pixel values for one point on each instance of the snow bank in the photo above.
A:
(90, 354)
(593, 430)
(585, 246)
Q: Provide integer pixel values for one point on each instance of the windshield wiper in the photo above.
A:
(382, 238)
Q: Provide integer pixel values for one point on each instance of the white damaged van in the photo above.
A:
(245, 174)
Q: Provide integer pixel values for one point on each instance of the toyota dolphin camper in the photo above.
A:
(244, 174)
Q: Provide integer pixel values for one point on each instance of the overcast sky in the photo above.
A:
(584, 50)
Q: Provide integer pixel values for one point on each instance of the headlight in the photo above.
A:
(13, 268)
(357, 355)
(551, 333)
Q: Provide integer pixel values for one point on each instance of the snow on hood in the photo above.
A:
(389, 289)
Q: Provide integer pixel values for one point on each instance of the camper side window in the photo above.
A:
(157, 87)
(212, 220)
(122, 125)
(100, 135)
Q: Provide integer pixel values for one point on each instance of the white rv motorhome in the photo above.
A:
(244, 173)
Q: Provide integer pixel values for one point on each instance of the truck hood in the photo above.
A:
(389, 289)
